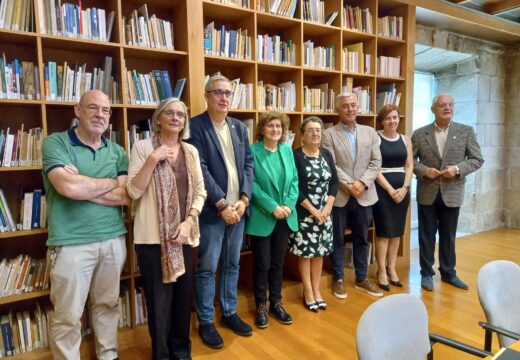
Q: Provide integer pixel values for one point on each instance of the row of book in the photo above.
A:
(22, 148)
(242, 98)
(72, 20)
(136, 133)
(314, 10)
(389, 66)
(33, 212)
(356, 19)
(387, 94)
(68, 83)
(279, 7)
(280, 97)
(240, 3)
(19, 80)
(151, 88)
(355, 60)
(272, 49)
(17, 15)
(319, 98)
(319, 57)
(23, 274)
(234, 44)
(390, 26)
(147, 31)
(25, 331)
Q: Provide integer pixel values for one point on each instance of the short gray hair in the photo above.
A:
(436, 98)
(213, 79)
(344, 95)
(309, 119)
(185, 132)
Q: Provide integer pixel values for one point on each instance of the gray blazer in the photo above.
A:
(366, 166)
(461, 149)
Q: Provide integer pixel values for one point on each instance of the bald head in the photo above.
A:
(93, 94)
(93, 112)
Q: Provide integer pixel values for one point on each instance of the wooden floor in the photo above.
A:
(331, 334)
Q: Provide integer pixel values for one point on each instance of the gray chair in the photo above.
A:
(396, 328)
(498, 285)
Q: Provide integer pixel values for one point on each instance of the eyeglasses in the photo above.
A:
(172, 113)
(221, 93)
(93, 109)
(313, 130)
(445, 105)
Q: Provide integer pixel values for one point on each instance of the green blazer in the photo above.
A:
(266, 194)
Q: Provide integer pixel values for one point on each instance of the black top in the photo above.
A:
(395, 152)
(302, 183)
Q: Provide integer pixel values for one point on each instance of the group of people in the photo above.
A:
(198, 182)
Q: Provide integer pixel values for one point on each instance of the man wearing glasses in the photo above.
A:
(85, 183)
(444, 153)
(227, 167)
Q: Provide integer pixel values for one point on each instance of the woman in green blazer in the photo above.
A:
(273, 215)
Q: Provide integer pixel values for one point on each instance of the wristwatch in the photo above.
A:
(407, 187)
(458, 170)
(193, 217)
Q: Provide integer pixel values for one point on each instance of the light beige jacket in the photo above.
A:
(146, 220)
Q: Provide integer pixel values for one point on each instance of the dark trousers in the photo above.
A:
(168, 305)
(358, 218)
(438, 216)
(268, 256)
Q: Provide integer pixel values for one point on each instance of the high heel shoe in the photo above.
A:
(385, 287)
(395, 283)
(311, 307)
(322, 305)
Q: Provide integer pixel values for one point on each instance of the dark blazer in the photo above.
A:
(205, 139)
(303, 183)
(461, 149)
(266, 192)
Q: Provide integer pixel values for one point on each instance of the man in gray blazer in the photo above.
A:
(444, 153)
(355, 149)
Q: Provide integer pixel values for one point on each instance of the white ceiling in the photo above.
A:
(430, 59)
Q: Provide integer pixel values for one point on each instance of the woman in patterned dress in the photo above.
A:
(318, 185)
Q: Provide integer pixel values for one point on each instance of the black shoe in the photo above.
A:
(395, 283)
(322, 305)
(261, 320)
(277, 310)
(235, 323)
(385, 287)
(210, 336)
(312, 306)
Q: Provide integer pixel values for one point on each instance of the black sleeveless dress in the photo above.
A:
(390, 217)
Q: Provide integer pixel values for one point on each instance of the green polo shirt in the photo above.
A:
(72, 222)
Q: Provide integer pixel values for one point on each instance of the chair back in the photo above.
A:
(498, 285)
(393, 328)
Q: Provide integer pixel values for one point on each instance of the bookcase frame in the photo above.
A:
(189, 61)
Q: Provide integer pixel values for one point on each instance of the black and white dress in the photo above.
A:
(317, 181)
(390, 217)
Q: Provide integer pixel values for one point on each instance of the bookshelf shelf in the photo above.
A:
(22, 233)
(317, 29)
(386, 41)
(16, 102)
(265, 66)
(20, 168)
(152, 53)
(383, 79)
(276, 21)
(227, 61)
(62, 42)
(22, 297)
(225, 11)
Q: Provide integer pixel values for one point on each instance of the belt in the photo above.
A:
(394, 169)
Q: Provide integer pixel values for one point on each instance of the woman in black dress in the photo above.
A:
(318, 185)
(392, 185)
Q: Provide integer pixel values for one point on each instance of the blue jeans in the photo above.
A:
(220, 243)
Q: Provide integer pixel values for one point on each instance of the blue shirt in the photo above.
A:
(352, 136)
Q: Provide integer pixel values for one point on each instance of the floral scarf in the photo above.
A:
(172, 259)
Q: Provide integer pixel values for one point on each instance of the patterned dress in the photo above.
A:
(314, 239)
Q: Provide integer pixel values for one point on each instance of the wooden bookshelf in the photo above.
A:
(187, 60)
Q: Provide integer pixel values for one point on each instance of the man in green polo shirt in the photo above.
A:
(85, 183)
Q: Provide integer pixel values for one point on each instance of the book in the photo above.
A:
(179, 87)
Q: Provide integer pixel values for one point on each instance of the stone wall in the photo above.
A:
(479, 89)
(512, 156)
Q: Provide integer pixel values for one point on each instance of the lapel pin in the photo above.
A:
(454, 137)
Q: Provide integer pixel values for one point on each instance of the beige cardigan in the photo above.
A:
(146, 220)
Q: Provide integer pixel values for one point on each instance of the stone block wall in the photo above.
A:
(512, 139)
(481, 92)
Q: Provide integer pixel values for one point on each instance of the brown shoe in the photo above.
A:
(338, 289)
(366, 286)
